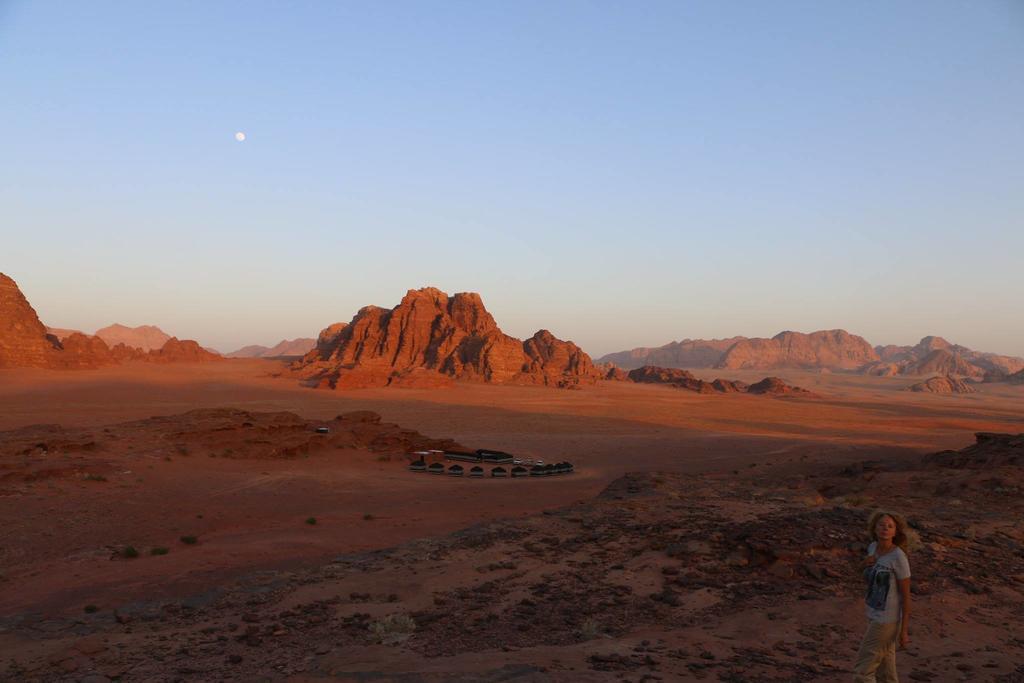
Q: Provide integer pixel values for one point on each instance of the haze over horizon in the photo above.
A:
(621, 178)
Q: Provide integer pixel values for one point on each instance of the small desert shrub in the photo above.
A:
(856, 501)
(181, 448)
(311, 520)
(393, 628)
(368, 517)
(159, 551)
(91, 609)
(590, 629)
(189, 540)
(94, 477)
(129, 552)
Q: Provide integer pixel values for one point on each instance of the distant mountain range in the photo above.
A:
(145, 337)
(286, 347)
(826, 350)
(431, 338)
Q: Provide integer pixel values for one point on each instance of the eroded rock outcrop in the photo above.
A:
(943, 385)
(775, 387)
(181, 351)
(686, 380)
(24, 341)
(687, 353)
(432, 338)
(936, 356)
(836, 349)
(990, 450)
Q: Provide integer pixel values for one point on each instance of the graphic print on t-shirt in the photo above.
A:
(878, 578)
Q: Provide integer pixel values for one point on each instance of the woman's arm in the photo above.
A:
(904, 587)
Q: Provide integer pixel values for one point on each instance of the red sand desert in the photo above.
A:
(702, 536)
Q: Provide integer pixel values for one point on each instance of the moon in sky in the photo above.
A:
(240, 136)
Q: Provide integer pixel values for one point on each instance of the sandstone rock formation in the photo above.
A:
(286, 347)
(837, 349)
(989, 451)
(24, 341)
(934, 355)
(611, 372)
(775, 386)
(181, 351)
(685, 380)
(824, 350)
(687, 353)
(81, 351)
(431, 338)
(943, 385)
(145, 337)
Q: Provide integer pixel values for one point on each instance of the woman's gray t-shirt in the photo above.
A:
(883, 596)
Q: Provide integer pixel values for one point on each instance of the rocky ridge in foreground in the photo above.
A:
(747, 577)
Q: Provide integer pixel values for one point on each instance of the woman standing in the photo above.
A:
(887, 571)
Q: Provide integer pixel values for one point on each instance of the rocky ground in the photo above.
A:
(738, 576)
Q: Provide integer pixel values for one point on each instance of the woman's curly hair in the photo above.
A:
(903, 533)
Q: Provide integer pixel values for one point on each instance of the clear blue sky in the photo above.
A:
(622, 174)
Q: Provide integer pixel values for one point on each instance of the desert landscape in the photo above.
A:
(511, 342)
(234, 520)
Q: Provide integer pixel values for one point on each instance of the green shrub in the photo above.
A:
(130, 552)
(189, 540)
(589, 629)
(393, 628)
(310, 520)
(91, 609)
(159, 551)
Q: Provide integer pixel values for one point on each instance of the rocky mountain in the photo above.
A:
(145, 337)
(989, 451)
(286, 347)
(827, 349)
(431, 338)
(25, 342)
(687, 353)
(943, 385)
(181, 351)
(685, 380)
(836, 349)
(936, 356)
(251, 351)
